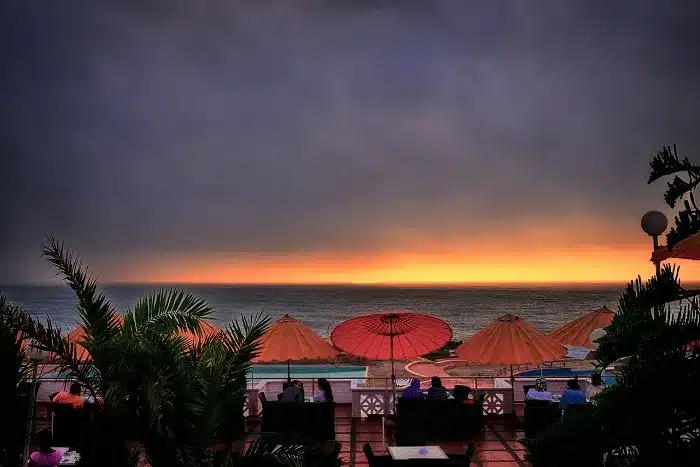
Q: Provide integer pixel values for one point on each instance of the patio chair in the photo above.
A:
(411, 429)
(463, 459)
(540, 415)
(325, 454)
(320, 420)
(373, 460)
(68, 425)
(461, 392)
(263, 399)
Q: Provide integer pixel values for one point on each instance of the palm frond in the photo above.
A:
(167, 311)
(98, 317)
(244, 338)
(687, 221)
(666, 162)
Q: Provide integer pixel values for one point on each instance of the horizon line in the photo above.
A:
(337, 283)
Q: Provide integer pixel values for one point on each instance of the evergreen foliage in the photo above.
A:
(651, 414)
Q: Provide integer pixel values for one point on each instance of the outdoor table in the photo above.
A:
(416, 452)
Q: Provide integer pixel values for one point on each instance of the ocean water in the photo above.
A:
(321, 308)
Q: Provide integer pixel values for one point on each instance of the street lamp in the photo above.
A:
(36, 354)
(654, 223)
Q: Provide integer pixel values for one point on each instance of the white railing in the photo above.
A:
(380, 401)
(367, 401)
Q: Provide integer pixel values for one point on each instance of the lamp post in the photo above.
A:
(35, 354)
(654, 223)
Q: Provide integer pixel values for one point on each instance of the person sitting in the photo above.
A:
(413, 390)
(437, 391)
(463, 394)
(539, 392)
(72, 397)
(45, 456)
(595, 387)
(293, 393)
(325, 394)
(573, 395)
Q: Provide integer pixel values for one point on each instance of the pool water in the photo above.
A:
(308, 371)
(563, 373)
(259, 372)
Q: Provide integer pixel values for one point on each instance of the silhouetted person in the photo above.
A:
(573, 395)
(413, 391)
(293, 393)
(72, 397)
(539, 392)
(595, 387)
(325, 393)
(461, 394)
(437, 390)
(45, 456)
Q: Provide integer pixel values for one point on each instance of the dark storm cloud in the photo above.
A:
(131, 127)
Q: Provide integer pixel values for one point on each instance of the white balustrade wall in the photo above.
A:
(366, 401)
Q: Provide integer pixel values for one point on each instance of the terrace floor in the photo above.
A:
(498, 444)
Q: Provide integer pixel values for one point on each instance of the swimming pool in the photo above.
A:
(259, 372)
(308, 371)
(563, 373)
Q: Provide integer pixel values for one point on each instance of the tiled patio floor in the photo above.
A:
(497, 444)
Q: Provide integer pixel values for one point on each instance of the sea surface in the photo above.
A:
(466, 309)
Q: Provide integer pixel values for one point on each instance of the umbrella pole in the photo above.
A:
(512, 385)
(289, 373)
(393, 373)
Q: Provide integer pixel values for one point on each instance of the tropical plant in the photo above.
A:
(667, 163)
(651, 414)
(14, 371)
(165, 399)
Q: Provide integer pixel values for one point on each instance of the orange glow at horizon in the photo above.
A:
(595, 264)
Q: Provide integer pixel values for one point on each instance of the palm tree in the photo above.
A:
(165, 399)
(14, 371)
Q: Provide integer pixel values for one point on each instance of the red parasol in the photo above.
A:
(387, 336)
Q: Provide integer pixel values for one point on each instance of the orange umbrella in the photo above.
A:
(578, 332)
(289, 340)
(685, 249)
(205, 330)
(77, 336)
(510, 341)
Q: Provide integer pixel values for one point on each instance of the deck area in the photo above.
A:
(498, 444)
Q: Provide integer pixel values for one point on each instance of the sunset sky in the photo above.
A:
(342, 141)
